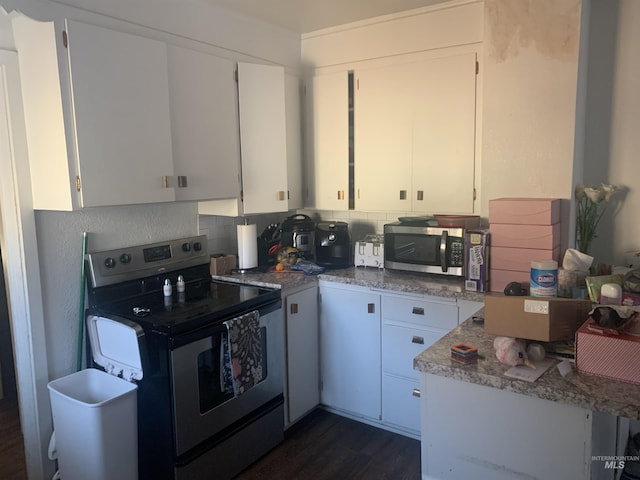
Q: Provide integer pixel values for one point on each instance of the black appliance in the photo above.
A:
(269, 245)
(190, 425)
(298, 231)
(333, 245)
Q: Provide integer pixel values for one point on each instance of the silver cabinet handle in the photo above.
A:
(418, 340)
(416, 392)
(418, 311)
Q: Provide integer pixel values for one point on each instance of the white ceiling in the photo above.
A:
(304, 16)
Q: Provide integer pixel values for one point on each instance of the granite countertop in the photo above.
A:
(423, 284)
(586, 391)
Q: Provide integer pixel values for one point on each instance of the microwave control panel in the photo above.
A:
(457, 253)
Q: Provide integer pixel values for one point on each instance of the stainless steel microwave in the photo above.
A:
(426, 249)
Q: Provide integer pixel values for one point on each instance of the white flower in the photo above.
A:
(594, 194)
(591, 203)
(608, 191)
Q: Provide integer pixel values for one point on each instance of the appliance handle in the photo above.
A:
(443, 250)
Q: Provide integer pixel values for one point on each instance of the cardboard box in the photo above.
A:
(546, 319)
(519, 259)
(607, 355)
(545, 237)
(524, 211)
(222, 263)
(476, 260)
(502, 278)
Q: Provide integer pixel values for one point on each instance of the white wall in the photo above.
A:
(531, 52)
(612, 147)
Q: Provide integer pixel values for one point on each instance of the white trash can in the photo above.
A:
(95, 423)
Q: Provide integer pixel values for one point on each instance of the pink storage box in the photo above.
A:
(544, 237)
(607, 355)
(501, 278)
(524, 211)
(507, 258)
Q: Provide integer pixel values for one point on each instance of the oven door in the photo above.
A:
(424, 249)
(201, 407)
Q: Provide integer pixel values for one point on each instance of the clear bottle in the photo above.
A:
(167, 290)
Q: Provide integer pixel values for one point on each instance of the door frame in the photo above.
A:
(22, 272)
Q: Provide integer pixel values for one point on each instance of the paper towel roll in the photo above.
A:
(247, 247)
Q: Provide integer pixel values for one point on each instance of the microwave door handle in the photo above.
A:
(443, 251)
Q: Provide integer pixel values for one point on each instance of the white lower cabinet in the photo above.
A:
(303, 370)
(350, 350)
(410, 324)
(368, 340)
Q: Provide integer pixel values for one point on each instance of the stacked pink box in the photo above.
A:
(522, 230)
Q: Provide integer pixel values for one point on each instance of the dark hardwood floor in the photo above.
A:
(325, 446)
(322, 446)
(12, 461)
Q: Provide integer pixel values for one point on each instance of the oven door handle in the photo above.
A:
(443, 250)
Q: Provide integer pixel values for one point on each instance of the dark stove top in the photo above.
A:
(200, 304)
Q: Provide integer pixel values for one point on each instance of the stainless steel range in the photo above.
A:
(210, 401)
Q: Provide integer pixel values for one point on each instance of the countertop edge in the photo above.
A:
(578, 389)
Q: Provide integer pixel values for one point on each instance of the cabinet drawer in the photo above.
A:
(400, 403)
(420, 312)
(401, 344)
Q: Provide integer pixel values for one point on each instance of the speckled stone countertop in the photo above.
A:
(424, 284)
(586, 391)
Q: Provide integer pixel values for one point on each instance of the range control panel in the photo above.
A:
(131, 263)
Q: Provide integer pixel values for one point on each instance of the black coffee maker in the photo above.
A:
(333, 245)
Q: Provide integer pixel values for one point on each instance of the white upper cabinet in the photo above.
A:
(263, 134)
(204, 125)
(115, 121)
(415, 128)
(293, 105)
(444, 134)
(328, 142)
(383, 133)
(268, 105)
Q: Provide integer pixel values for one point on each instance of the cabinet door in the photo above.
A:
(415, 127)
(443, 138)
(261, 101)
(204, 125)
(303, 357)
(401, 403)
(121, 117)
(383, 129)
(328, 142)
(350, 351)
(292, 89)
